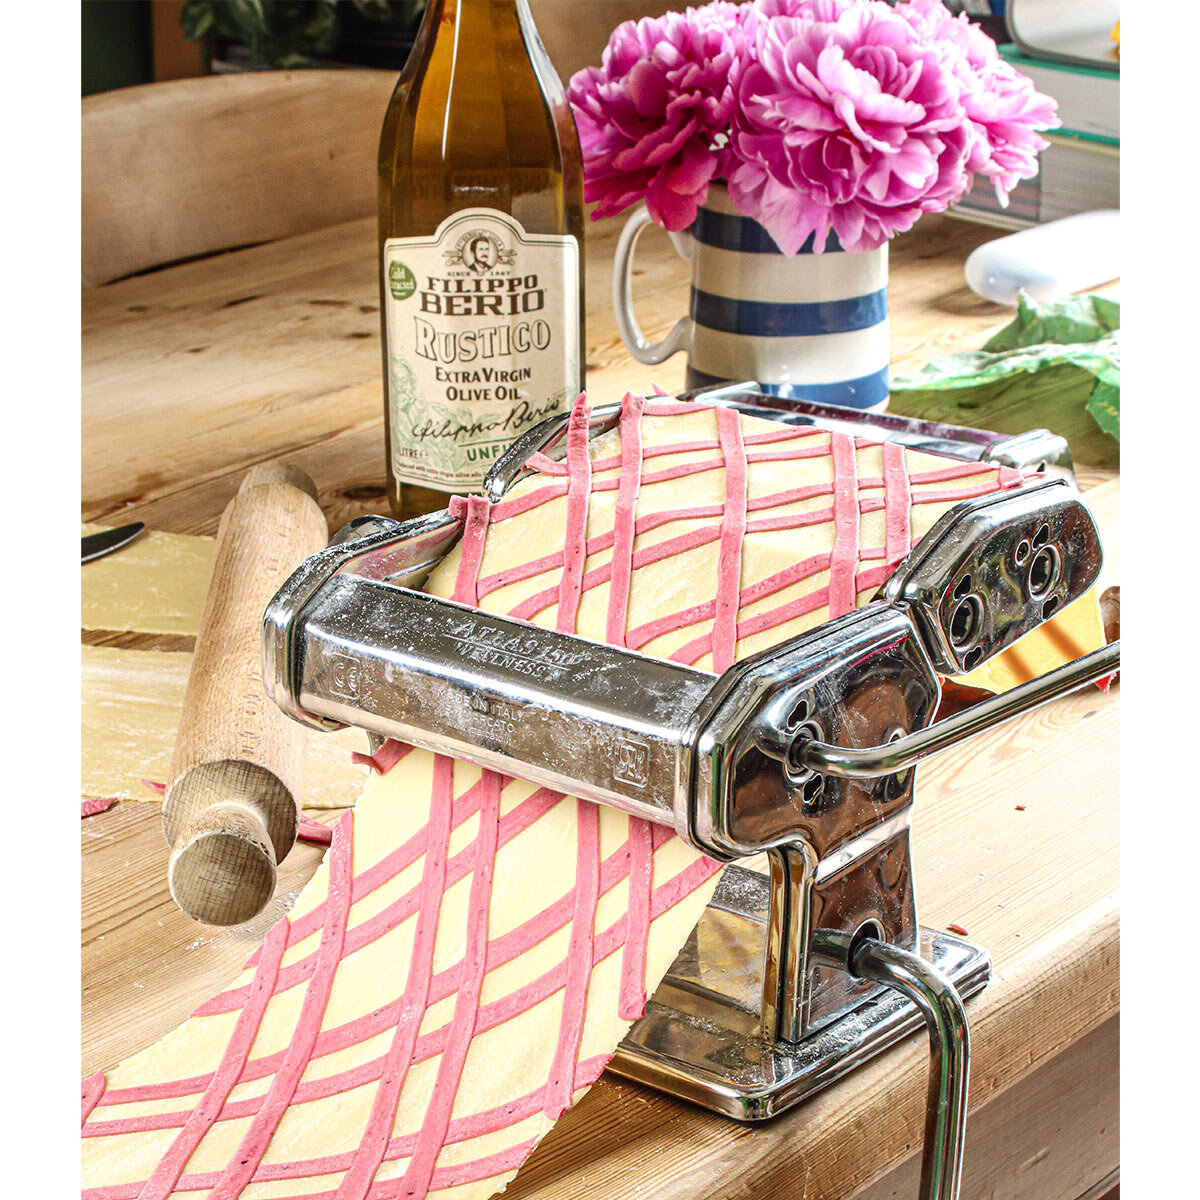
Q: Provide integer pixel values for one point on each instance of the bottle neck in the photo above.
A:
(468, 33)
(480, 18)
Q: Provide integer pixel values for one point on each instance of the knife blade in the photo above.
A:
(105, 541)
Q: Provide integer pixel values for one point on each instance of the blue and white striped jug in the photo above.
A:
(810, 327)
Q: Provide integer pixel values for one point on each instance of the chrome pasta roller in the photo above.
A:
(805, 752)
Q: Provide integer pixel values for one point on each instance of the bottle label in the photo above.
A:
(482, 343)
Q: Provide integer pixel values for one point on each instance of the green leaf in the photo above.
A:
(1105, 407)
(374, 10)
(1080, 331)
(1074, 319)
(196, 19)
(246, 17)
(319, 33)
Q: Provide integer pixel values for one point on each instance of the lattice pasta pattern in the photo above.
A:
(472, 950)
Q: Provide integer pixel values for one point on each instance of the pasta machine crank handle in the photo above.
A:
(907, 973)
(868, 762)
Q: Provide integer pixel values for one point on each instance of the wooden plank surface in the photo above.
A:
(148, 152)
(1046, 1137)
(194, 373)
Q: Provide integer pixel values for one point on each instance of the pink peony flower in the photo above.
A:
(777, 8)
(848, 122)
(850, 116)
(1004, 109)
(654, 118)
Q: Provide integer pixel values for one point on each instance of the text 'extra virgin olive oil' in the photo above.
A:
(481, 249)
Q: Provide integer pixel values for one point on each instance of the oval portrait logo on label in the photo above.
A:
(479, 251)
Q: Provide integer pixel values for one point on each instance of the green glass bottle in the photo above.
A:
(480, 246)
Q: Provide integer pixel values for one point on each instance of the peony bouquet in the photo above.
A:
(845, 116)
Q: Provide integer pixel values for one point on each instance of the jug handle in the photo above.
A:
(636, 342)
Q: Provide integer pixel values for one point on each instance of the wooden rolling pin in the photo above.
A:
(232, 805)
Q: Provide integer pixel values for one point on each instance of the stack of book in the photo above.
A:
(1081, 169)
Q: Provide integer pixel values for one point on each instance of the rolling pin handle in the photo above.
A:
(231, 810)
(229, 824)
(279, 472)
(224, 867)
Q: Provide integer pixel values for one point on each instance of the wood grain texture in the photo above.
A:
(1048, 1135)
(194, 373)
(1037, 893)
(1037, 887)
(187, 167)
(232, 802)
(144, 964)
(229, 823)
(273, 352)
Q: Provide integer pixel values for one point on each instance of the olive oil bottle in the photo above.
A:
(480, 249)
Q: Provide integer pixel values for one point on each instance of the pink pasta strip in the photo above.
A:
(384, 759)
(461, 1129)
(492, 1015)
(331, 1040)
(432, 1135)
(698, 647)
(295, 1071)
(842, 594)
(474, 533)
(625, 519)
(898, 502)
(92, 1090)
(952, 496)
(665, 897)
(632, 999)
(578, 490)
(233, 1059)
(378, 1129)
(733, 532)
(501, 951)
(579, 962)
(314, 831)
(515, 506)
(960, 470)
(254, 1145)
(546, 466)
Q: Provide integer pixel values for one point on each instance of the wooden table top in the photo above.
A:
(194, 373)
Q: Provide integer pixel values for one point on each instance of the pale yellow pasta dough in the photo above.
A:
(503, 1063)
(1067, 635)
(156, 584)
(131, 705)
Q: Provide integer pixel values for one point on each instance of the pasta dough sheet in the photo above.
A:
(156, 584)
(407, 1017)
(1066, 636)
(474, 948)
(131, 705)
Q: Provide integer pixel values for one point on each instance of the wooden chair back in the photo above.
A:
(178, 170)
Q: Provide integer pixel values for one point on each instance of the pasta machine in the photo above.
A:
(804, 753)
